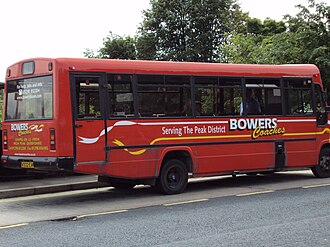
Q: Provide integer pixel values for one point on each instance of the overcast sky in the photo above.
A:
(65, 28)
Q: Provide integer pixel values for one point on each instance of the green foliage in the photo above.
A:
(304, 38)
(267, 27)
(146, 46)
(218, 31)
(115, 47)
(180, 30)
(186, 30)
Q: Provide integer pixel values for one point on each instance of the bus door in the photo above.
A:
(89, 120)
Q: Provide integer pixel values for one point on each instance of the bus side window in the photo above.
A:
(87, 94)
(164, 96)
(320, 106)
(273, 97)
(298, 97)
(217, 96)
(254, 104)
(206, 96)
(120, 96)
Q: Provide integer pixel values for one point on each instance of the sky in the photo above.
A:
(66, 28)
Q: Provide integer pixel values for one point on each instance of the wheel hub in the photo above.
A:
(325, 163)
(173, 178)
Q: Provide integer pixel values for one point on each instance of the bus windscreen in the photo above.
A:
(30, 98)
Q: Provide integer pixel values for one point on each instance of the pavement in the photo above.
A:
(27, 186)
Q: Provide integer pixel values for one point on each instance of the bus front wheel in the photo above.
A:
(322, 169)
(173, 177)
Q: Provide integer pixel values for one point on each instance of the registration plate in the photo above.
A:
(27, 164)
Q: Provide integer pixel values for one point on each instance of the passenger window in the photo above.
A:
(254, 103)
(206, 96)
(272, 97)
(320, 106)
(263, 97)
(217, 96)
(298, 97)
(87, 95)
(164, 96)
(120, 96)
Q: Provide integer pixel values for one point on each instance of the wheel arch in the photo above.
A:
(183, 154)
(322, 146)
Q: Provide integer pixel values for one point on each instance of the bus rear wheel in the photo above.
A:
(173, 177)
(322, 169)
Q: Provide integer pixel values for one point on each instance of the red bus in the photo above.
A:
(158, 123)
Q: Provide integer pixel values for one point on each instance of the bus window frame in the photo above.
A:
(321, 116)
(74, 105)
(263, 78)
(107, 99)
(285, 102)
(240, 86)
(136, 86)
(192, 85)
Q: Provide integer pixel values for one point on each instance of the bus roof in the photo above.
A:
(189, 68)
(175, 68)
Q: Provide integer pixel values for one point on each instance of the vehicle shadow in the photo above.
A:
(247, 180)
(203, 185)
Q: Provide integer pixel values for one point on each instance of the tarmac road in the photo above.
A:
(72, 204)
(285, 217)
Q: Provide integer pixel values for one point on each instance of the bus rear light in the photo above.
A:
(5, 139)
(52, 139)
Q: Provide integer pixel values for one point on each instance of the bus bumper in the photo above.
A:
(38, 163)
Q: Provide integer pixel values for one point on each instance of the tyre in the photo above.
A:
(322, 169)
(173, 177)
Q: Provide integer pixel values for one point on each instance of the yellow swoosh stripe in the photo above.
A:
(139, 152)
(325, 131)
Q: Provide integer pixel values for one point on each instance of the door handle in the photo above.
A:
(78, 125)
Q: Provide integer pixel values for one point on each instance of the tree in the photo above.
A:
(180, 30)
(245, 46)
(312, 29)
(304, 38)
(186, 30)
(115, 47)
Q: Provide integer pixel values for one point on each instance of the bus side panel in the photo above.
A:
(88, 168)
(234, 157)
(90, 143)
(63, 112)
(125, 165)
(300, 141)
(301, 153)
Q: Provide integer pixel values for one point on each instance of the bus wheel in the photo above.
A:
(173, 178)
(322, 170)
